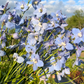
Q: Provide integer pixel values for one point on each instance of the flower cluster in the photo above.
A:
(43, 37)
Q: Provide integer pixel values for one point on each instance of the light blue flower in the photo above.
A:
(35, 61)
(30, 49)
(63, 43)
(32, 38)
(17, 58)
(40, 11)
(52, 25)
(22, 6)
(55, 65)
(78, 35)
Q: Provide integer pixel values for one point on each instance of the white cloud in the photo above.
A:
(51, 2)
(43, 2)
(66, 7)
(81, 1)
(71, 1)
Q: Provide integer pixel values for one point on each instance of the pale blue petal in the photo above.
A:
(58, 66)
(77, 40)
(58, 41)
(66, 39)
(28, 62)
(76, 62)
(83, 38)
(69, 46)
(67, 71)
(63, 71)
(62, 60)
(75, 31)
(21, 21)
(35, 67)
(20, 59)
(62, 47)
(52, 59)
(59, 77)
(51, 69)
(40, 63)
(78, 53)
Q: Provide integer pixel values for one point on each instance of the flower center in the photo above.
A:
(36, 37)
(80, 34)
(40, 10)
(63, 44)
(36, 2)
(35, 60)
(53, 25)
(56, 15)
(15, 58)
(40, 24)
(59, 57)
(54, 64)
(22, 6)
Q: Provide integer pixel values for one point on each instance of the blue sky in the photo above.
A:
(67, 6)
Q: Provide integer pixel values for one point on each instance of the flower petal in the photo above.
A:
(35, 67)
(20, 59)
(69, 46)
(51, 69)
(40, 63)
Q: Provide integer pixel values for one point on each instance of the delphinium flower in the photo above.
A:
(36, 24)
(35, 60)
(61, 74)
(78, 35)
(40, 11)
(32, 38)
(52, 25)
(55, 65)
(22, 6)
(35, 3)
(39, 27)
(30, 49)
(17, 58)
(58, 16)
(63, 56)
(63, 43)
(4, 18)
